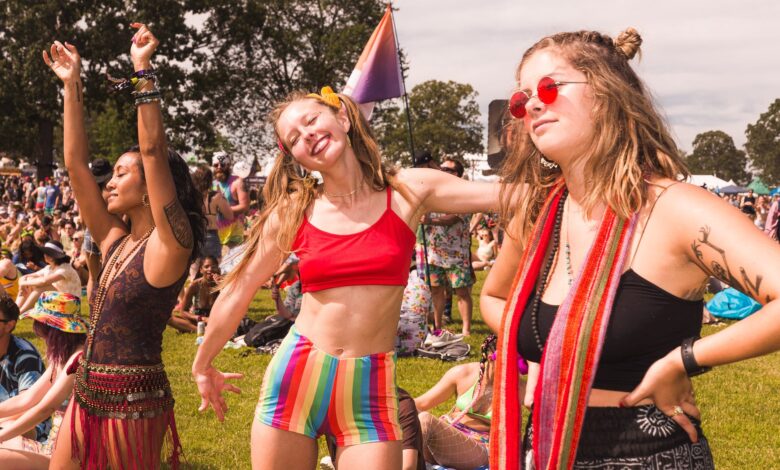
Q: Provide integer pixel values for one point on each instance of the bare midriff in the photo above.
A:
(351, 321)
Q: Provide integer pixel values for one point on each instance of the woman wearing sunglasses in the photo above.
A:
(610, 255)
(334, 373)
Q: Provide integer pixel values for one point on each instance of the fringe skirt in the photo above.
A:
(122, 417)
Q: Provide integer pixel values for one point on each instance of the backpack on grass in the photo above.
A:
(269, 329)
(457, 351)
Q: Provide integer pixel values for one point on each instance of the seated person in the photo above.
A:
(487, 250)
(9, 276)
(198, 298)
(56, 321)
(20, 363)
(287, 273)
(29, 258)
(415, 309)
(459, 439)
(58, 276)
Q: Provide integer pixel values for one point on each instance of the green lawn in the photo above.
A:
(738, 403)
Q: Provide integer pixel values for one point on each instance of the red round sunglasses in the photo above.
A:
(546, 91)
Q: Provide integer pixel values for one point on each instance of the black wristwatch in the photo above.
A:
(692, 368)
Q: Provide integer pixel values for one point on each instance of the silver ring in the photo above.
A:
(677, 410)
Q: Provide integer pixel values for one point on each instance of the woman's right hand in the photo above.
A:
(65, 61)
(211, 383)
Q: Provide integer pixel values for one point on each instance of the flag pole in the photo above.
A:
(403, 84)
(421, 227)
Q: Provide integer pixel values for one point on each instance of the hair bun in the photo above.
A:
(628, 42)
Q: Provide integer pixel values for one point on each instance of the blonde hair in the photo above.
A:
(289, 189)
(631, 138)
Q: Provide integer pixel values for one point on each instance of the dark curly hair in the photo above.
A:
(189, 197)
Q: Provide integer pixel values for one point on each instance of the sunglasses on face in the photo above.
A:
(546, 91)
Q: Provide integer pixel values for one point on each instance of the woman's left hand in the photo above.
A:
(144, 45)
(668, 386)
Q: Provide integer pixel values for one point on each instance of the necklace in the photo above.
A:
(107, 277)
(543, 278)
(566, 246)
(342, 195)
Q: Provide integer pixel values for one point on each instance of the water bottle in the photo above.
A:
(201, 328)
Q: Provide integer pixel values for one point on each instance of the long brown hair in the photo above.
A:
(631, 142)
(290, 190)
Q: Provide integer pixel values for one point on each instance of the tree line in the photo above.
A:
(222, 63)
(714, 152)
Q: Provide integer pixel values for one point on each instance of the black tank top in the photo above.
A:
(646, 323)
(131, 325)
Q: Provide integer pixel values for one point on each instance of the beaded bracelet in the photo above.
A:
(149, 99)
(143, 94)
(144, 74)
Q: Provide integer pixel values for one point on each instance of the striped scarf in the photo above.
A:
(573, 347)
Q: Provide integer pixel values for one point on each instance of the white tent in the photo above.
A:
(712, 181)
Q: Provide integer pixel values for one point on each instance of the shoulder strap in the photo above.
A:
(389, 193)
(647, 222)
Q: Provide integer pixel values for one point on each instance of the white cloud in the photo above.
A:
(711, 64)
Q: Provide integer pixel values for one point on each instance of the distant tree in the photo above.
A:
(445, 120)
(763, 143)
(30, 93)
(714, 153)
(258, 51)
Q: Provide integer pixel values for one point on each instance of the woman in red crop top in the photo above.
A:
(148, 228)
(601, 278)
(354, 234)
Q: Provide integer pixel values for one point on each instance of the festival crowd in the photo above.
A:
(594, 290)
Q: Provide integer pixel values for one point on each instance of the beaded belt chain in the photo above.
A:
(124, 392)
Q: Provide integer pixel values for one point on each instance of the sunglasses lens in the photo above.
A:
(517, 104)
(547, 90)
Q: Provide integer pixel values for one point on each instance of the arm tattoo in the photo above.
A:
(78, 92)
(180, 224)
(720, 267)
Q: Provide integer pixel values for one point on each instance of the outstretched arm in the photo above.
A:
(59, 392)
(65, 62)
(438, 191)
(227, 312)
(172, 242)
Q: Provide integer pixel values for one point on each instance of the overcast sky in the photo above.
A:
(712, 65)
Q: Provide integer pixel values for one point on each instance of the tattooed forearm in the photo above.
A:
(180, 224)
(719, 266)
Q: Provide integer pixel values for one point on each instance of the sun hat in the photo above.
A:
(58, 310)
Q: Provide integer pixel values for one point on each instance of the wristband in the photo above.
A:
(145, 73)
(692, 368)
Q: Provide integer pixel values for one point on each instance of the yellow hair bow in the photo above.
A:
(327, 96)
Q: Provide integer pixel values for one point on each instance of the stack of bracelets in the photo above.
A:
(136, 82)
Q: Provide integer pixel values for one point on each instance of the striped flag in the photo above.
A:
(377, 75)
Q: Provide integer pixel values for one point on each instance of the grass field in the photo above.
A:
(741, 412)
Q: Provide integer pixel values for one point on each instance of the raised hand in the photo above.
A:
(144, 45)
(211, 383)
(65, 61)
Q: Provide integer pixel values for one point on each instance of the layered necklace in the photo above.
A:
(546, 270)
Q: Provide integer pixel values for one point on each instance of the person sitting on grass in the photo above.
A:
(460, 438)
(56, 321)
(487, 250)
(58, 276)
(198, 298)
(291, 304)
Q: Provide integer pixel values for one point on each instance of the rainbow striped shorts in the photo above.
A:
(310, 392)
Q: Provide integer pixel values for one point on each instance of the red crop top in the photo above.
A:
(378, 255)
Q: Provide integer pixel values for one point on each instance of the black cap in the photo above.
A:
(101, 170)
(421, 157)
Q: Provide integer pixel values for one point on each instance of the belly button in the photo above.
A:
(338, 352)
